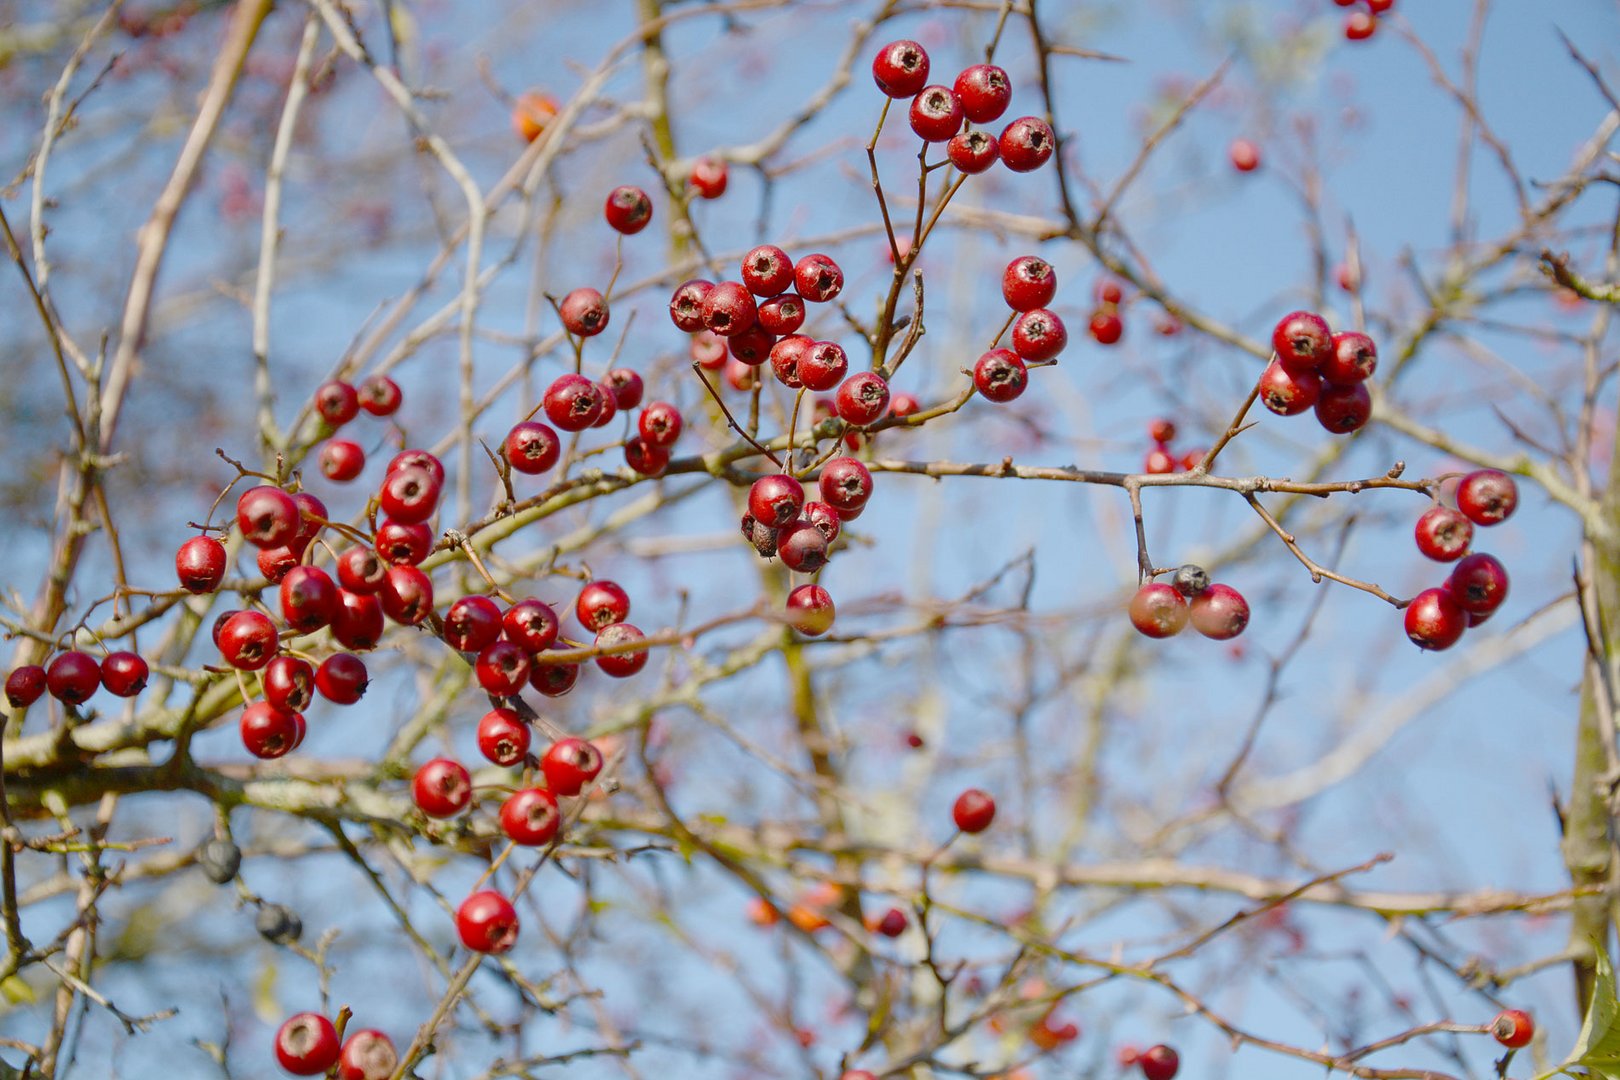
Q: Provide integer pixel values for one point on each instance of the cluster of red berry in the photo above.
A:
(1361, 25)
(308, 1044)
(1038, 335)
(73, 676)
(1106, 326)
(1163, 609)
(1161, 459)
(341, 460)
(1437, 617)
(980, 95)
(1313, 366)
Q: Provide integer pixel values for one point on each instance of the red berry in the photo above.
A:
(729, 309)
(822, 366)
(472, 623)
(936, 114)
(409, 495)
(708, 349)
(601, 603)
(1159, 461)
(1478, 584)
(407, 595)
(767, 271)
(810, 610)
(1245, 155)
(502, 668)
(307, 1045)
(248, 640)
(1159, 1062)
(686, 304)
(985, 92)
(1192, 459)
(1343, 409)
(893, 924)
(267, 516)
(337, 402)
(1027, 144)
(1378, 7)
(708, 177)
(1109, 292)
(774, 500)
(1434, 621)
(620, 665)
(660, 424)
(361, 570)
(1513, 1028)
(367, 1055)
(973, 811)
(1219, 612)
(1162, 430)
(268, 732)
(786, 356)
(25, 685)
(200, 564)
(487, 922)
(342, 678)
(751, 347)
(1038, 335)
(802, 547)
(380, 395)
(818, 278)
(1029, 282)
(358, 621)
(530, 817)
(1302, 341)
(1443, 534)
(1106, 327)
(610, 408)
(553, 680)
(308, 599)
(503, 737)
(1000, 375)
(973, 152)
(442, 788)
(402, 545)
(418, 459)
(532, 447)
(644, 458)
(900, 68)
(903, 404)
(846, 485)
(289, 683)
(628, 210)
(781, 314)
(342, 460)
(570, 764)
(1488, 496)
(1289, 393)
(625, 386)
(863, 398)
(1352, 359)
(123, 674)
(1360, 26)
(573, 402)
(1158, 610)
(823, 517)
(584, 312)
(530, 625)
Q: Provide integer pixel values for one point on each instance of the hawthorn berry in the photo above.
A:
(1159, 461)
(972, 151)
(501, 668)
(406, 595)
(503, 737)
(530, 817)
(775, 500)
(900, 68)
(620, 665)
(1343, 409)
(358, 621)
(892, 924)
(289, 683)
(1289, 393)
(1106, 327)
(402, 545)
(530, 625)
(572, 402)
(823, 517)
(532, 447)
(1444, 534)
(553, 680)
(1218, 612)
(903, 404)
(644, 458)
(708, 177)
(248, 640)
(367, 1055)
(936, 114)
(124, 674)
(846, 485)
(1029, 282)
(308, 598)
(342, 678)
(268, 732)
(985, 92)
(686, 304)
(782, 314)
(810, 610)
(708, 349)
(472, 623)
(1027, 144)
(625, 386)
(570, 764)
(973, 811)
(419, 459)
(1434, 620)
(1360, 26)
(1158, 610)
(25, 685)
(1302, 341)
(1513, 1028)
(600, 603)
(863, 398)
(200, 564)
(307, 1044)
(442, 788)
(584, 312)
(487, 922)
(1488, 496)
(1245, 155)
(660, 424)
(818, 278)
(531, 114)
(409, 495)
(750, 349)
(1000, 376)
(267, 516)
(1478, 584)
(1353, 358)
(802, 547)
(628, 209)
(786, 356)
(762, 537)
(767, 271)
(1038, 334)
(380, 395)
(822, 366)
(361, 570)
(1162, 430)
(342, 460)
(1159, 1062)
(337, 402)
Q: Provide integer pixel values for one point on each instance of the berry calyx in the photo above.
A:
(973, 151)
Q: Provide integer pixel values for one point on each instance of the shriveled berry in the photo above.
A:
(1190, 579)
(846, 485)
(219, 860)
(25, 685)
(278, 924)
(802, 547)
